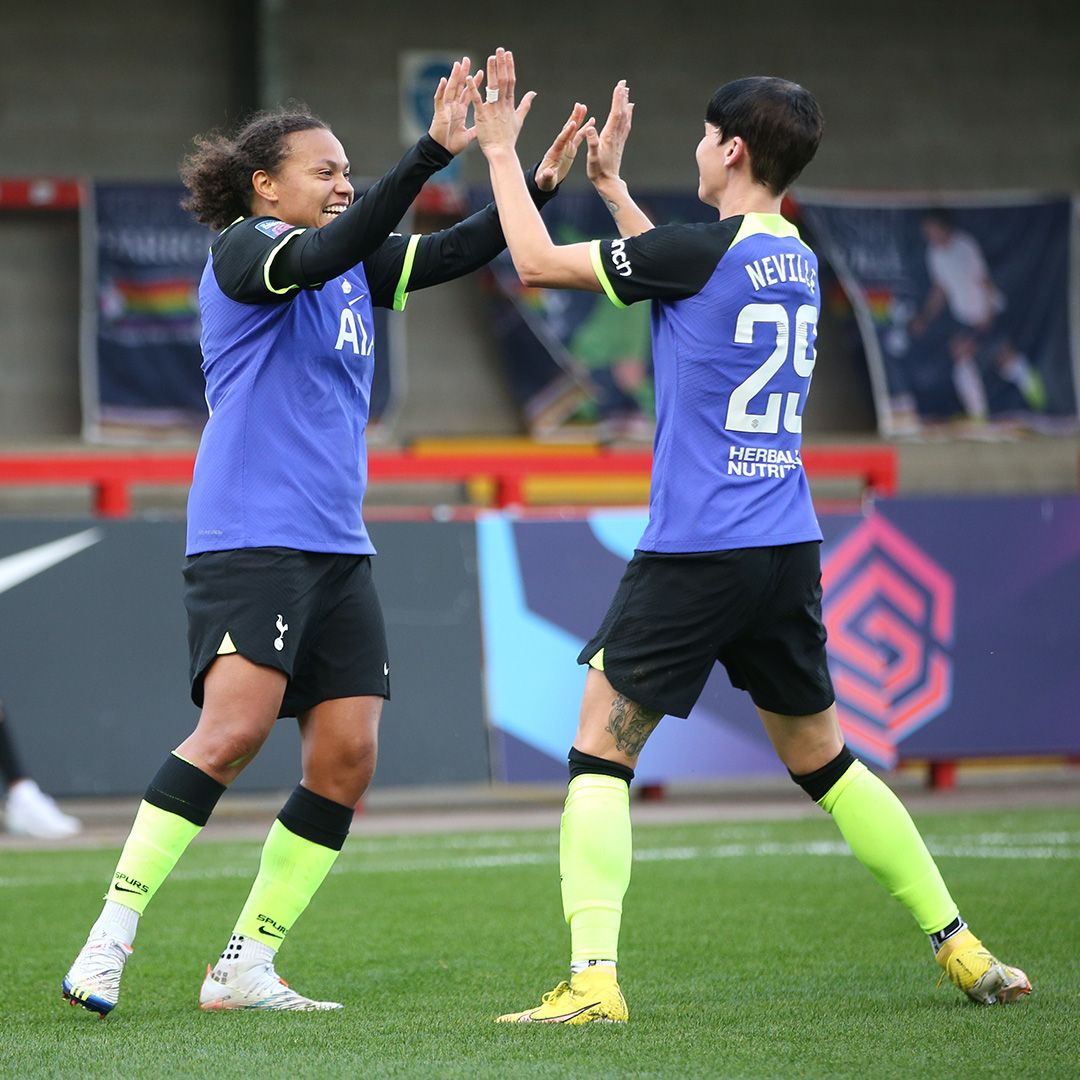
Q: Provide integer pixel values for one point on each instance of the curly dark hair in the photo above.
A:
(217, 173)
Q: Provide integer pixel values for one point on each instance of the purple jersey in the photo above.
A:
(282, 461)
(734, 322)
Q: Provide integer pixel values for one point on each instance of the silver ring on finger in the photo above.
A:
(492, 95)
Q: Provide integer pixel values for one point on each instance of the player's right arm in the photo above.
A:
(605, 151)
(670, 262)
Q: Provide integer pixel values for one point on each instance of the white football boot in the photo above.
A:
(253, 986)
(93, 981)
(30, 812)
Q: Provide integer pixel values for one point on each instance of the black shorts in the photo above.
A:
(755, 610)
(986, 341)
(314, 616)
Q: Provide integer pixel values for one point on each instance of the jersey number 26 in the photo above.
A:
(739, 416)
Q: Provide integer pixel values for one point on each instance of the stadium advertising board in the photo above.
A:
(951, 634)
(94, 664)
(942, 644)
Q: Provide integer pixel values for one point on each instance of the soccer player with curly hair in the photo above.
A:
(283, 616)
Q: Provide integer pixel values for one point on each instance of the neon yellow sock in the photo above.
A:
(290, 873)
(595, 850)
(157, 839)
(884, 839)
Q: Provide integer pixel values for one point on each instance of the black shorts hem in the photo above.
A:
(802, 708)
(756, 611)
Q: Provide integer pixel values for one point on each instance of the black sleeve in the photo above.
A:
(670, 262)
(406, 263)
(260, 260)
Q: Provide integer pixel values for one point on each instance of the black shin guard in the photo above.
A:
(585, 763)
(818, 783)
(316, 818)
(185, 790)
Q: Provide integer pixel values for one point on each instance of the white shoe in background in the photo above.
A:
(30, 812)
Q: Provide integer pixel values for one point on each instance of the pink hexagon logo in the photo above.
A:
(889, 609)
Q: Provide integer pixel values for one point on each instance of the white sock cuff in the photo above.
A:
(117, 921)
(245, 951)
(578, 966)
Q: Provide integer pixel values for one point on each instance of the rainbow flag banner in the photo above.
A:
(141, 360)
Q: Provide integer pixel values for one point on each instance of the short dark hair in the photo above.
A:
(780, 122)
(217, 173)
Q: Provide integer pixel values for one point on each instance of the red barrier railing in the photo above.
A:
(111, 476)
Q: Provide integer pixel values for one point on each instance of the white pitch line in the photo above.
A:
(965, 847)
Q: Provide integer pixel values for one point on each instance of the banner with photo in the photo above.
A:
(140, 358)
(576, 363)
(142, 260)
(963, 306)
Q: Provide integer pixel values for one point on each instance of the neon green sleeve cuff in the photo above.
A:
(601, 273)
(401, 294)
(271, 257)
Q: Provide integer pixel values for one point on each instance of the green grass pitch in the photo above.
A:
(750, 949)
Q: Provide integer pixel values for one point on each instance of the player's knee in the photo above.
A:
(226, 752)
(579, 763)
(344, 772)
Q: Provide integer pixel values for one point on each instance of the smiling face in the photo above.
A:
(311, 185)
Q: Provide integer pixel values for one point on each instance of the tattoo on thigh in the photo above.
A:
(631, 725)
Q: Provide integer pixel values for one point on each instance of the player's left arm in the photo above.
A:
(604, 164)
(406, 263)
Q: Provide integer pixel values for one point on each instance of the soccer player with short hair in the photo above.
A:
(283, 617)
(728, 568)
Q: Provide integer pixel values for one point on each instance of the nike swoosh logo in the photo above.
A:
(122, 889)
(357, 300)
(263, 930)
(15, 569)
(565, 1016)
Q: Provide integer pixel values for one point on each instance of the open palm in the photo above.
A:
(452, 102)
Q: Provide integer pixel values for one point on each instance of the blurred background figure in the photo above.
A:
(961, 283)
(28, 810)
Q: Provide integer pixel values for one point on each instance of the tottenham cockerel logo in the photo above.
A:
(890, 612)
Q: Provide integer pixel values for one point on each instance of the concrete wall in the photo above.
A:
(39, 324)
(964, 95)
(919, 95)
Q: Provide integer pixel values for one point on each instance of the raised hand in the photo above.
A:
(560, 155)
(452, 101)
(498, 119)
(606, 147)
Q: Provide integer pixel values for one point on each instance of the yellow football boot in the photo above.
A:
(984, 978)
(591, 996)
